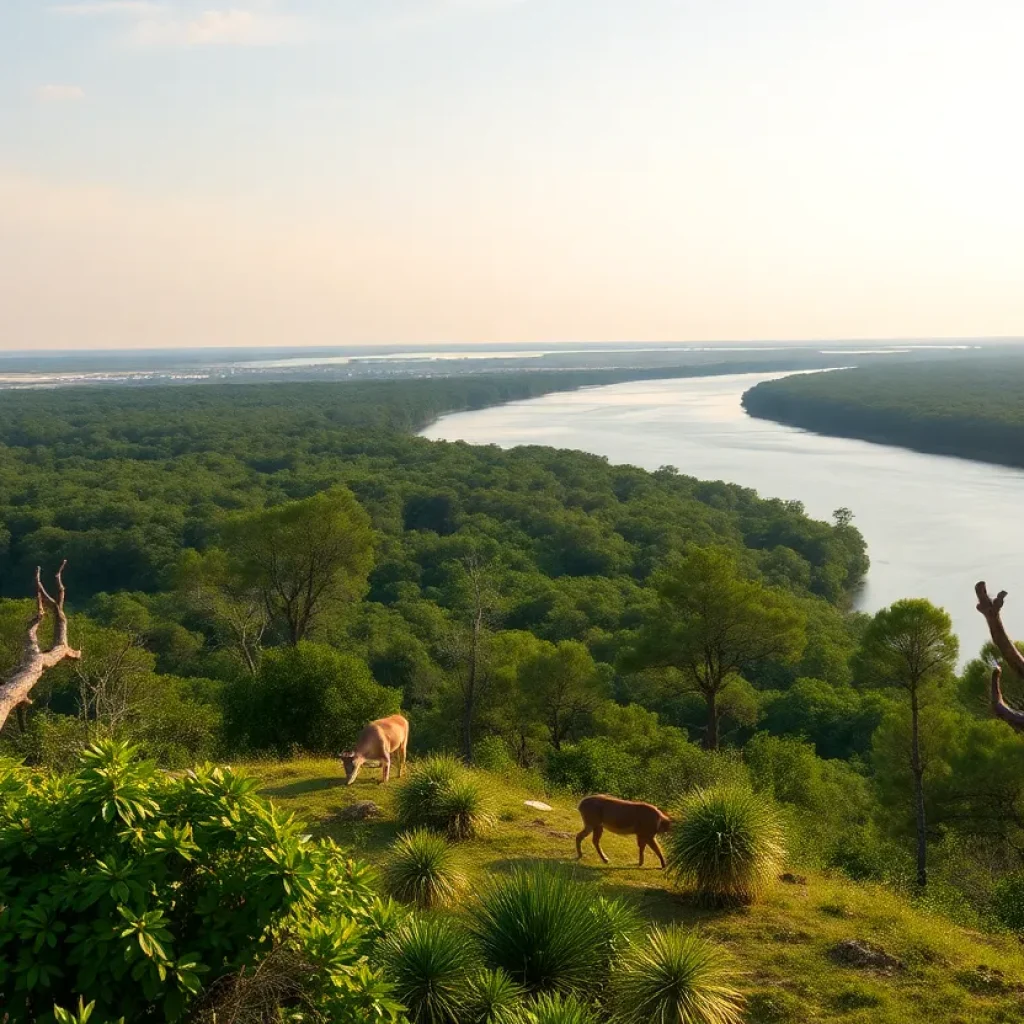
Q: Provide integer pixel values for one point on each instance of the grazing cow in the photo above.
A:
(377, 742)
(623, 818)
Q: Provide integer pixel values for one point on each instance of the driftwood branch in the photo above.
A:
(992, 608)
(15, 689)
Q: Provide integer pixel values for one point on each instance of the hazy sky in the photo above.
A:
(361, 171)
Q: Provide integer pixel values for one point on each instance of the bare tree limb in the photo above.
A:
(992, 610)
(15, 689)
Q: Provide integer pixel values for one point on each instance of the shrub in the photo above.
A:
(1008, 901)
(422, 870)
(431, 963)
(307, 697)
(492, 755)
(675, 977)
(727, 844)
(493, 998)
(617, 922)
(554, 1008)
(539, 926)
(441, 794)
(132, 890)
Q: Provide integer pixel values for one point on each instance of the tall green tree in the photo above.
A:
(304, 557)
(910, 646)
(710, 623)
(564, 684)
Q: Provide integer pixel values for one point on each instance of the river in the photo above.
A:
(934, 525)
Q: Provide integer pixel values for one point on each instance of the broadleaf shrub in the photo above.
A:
(142, 893)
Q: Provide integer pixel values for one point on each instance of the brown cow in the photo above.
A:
(377, 742)
(623, 818)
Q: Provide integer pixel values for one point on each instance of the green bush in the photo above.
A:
(432, 964)
(443, 795)
(308, 697)
(149, 894)
(492, 755)
(494, 998)
(541, 927)
(674, 976)
(1008, 901)
(422, 870)
(555, 1008)
(727, 844)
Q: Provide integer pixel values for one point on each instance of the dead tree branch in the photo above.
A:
(992, 609)
(15, 690)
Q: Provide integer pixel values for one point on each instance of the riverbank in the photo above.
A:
(933, 525)
(969, 410)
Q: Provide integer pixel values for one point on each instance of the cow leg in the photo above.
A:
(598, 832)
(385, 769)
(579, 842)
(653, 843)
(405, 753)
(641, 843)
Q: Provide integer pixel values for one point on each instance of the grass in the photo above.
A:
(781, 945)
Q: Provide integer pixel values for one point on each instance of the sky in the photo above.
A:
(340, 172)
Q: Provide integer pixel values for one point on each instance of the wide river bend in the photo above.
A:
(934, 525)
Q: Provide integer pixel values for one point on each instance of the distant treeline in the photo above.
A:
(970, 409)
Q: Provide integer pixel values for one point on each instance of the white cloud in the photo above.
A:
(60, 93)
(128, 7)
(230, 27)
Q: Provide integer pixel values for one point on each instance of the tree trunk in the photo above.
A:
(15, 689)
(918, 770)
(711, 733)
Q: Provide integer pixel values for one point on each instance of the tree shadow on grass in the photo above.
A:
(656, 901)
(304, 786)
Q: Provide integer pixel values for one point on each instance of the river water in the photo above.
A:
(934, 525)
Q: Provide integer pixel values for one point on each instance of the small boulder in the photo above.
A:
(864, 955)
(790, 879)
(537, 805)
(359, 811)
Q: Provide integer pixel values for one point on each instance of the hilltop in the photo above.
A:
(788, 947)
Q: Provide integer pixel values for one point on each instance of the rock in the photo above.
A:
(790, 879)
(857, 953)
(359, 811)
(537, 805)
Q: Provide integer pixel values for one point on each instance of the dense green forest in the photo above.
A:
(256, 571)
(970, 408)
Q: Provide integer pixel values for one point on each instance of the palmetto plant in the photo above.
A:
(539, 925)
(674, 976)
(432, 963)
(422, 870)
(727, 845)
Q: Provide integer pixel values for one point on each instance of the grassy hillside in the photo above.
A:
(786, 945)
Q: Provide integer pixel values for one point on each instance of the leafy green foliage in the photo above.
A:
(432, 964)
(307, 697)
(132, 890)
(969, 408)
(541, 927)
(727, 844)
(493, 998)
(441, 794)
(556, 1008)
(710, 624)
(1008, 901)
(673, 976)
(423, 870)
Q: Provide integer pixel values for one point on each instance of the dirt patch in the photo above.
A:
(864, 956)
(360, 811)
(539, 825)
